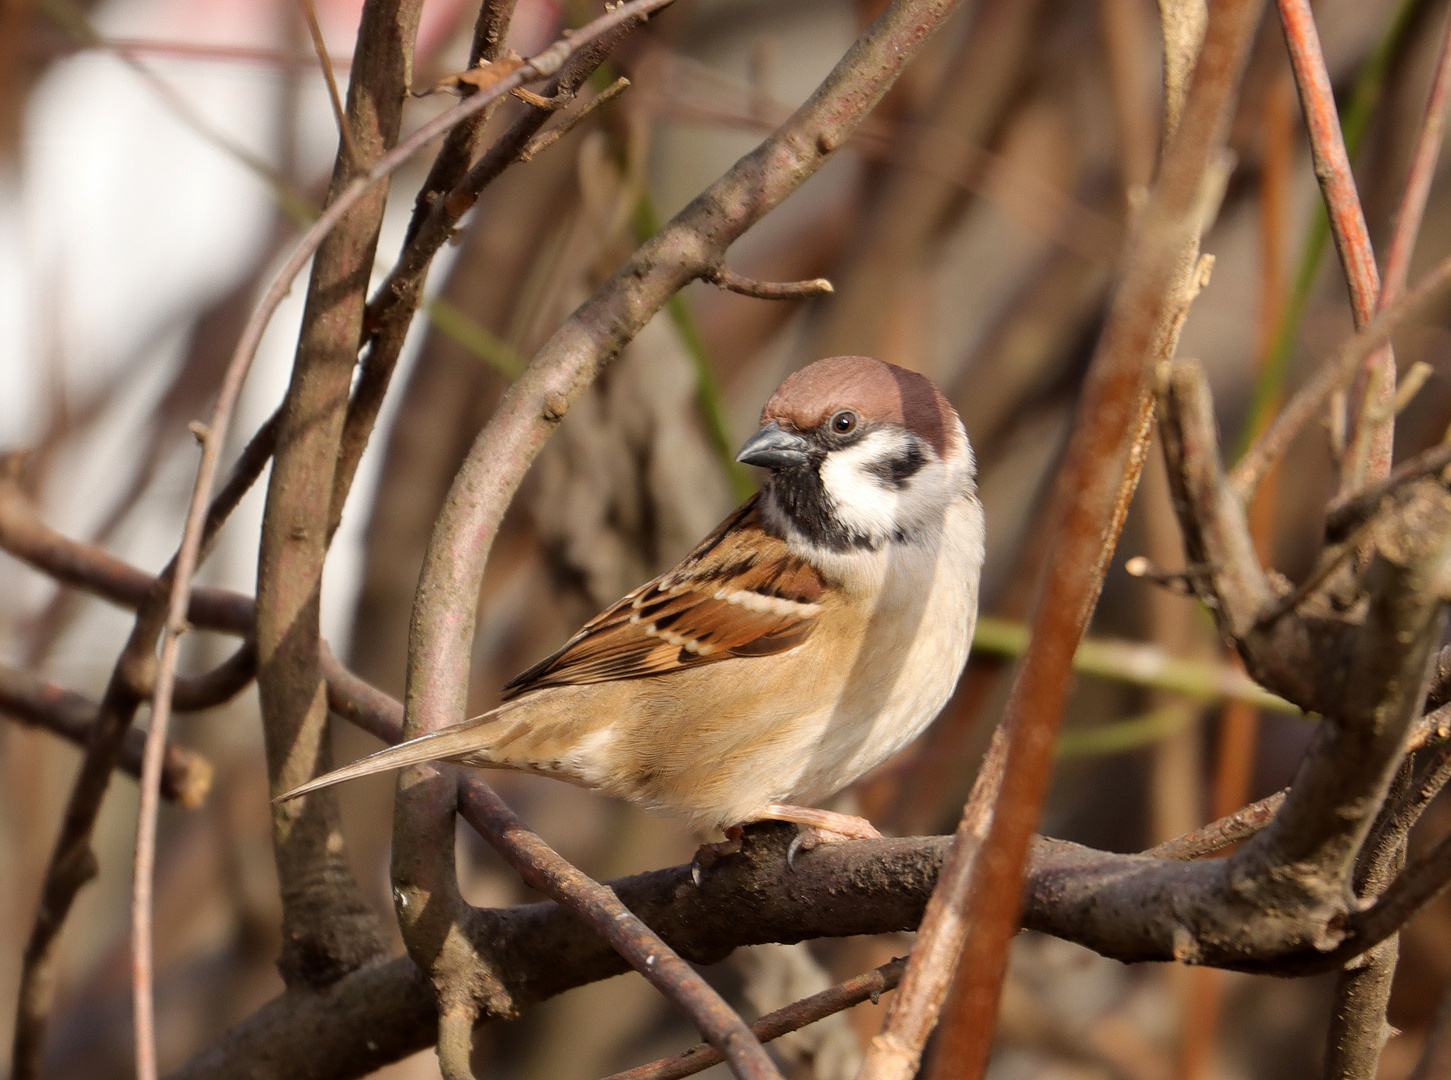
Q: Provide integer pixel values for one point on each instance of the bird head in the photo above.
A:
(861, 453)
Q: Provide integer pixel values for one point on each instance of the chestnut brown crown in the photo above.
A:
(876, 390)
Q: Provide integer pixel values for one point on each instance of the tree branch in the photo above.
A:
(327, 928)
(186, 777)
(385, 1011)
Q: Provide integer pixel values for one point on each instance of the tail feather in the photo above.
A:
(450, 742)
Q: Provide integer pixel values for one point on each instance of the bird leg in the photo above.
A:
(817, 827)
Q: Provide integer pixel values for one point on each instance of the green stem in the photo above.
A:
(1141, 665)
(1124, 735)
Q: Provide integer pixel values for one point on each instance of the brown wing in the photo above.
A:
(740, 593)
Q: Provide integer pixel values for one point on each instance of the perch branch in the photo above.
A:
(384, 1012)
(571, 117)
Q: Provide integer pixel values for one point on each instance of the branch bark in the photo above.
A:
(385, 1011)
(327, 928)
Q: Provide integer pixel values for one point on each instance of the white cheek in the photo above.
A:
(862, 502)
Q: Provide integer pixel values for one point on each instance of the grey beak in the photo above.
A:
(773, 448)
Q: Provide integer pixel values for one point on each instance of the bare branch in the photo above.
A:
(571, 117)
(186, 777)
(1099, 474)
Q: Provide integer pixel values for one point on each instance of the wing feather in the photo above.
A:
(740, 593)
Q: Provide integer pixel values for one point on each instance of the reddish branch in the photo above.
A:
(1347, 226)
(1100, 472)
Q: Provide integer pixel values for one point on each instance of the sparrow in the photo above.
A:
(817, 631)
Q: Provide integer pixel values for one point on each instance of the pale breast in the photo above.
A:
(725, 741)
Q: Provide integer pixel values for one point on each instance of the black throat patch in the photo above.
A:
(801, 497)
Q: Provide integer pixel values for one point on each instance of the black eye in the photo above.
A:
(844, 422)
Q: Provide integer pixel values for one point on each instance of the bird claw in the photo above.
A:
(797, 843)
(707, 855)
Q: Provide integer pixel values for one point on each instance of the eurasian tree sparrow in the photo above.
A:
(818, 630)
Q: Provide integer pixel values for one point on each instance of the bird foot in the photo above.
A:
(819, 827)
(809, 837)
(707, 855)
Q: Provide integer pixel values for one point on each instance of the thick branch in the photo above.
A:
(385, 1011)
(327, 928)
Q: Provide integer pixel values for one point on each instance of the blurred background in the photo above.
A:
(156, 160)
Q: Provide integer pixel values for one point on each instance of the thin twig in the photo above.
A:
(73, 862)
(1376, 445)
(319, 44)
(783, 1021)
(213, 438)
(1333, 374)
(1343, 515)
(570, 118)
(1369, 82)
(1220, 834)
(1347, 218)
(767, 290)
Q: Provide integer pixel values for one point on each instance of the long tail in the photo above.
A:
(450, 742)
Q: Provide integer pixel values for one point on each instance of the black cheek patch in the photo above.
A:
(895, 471)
